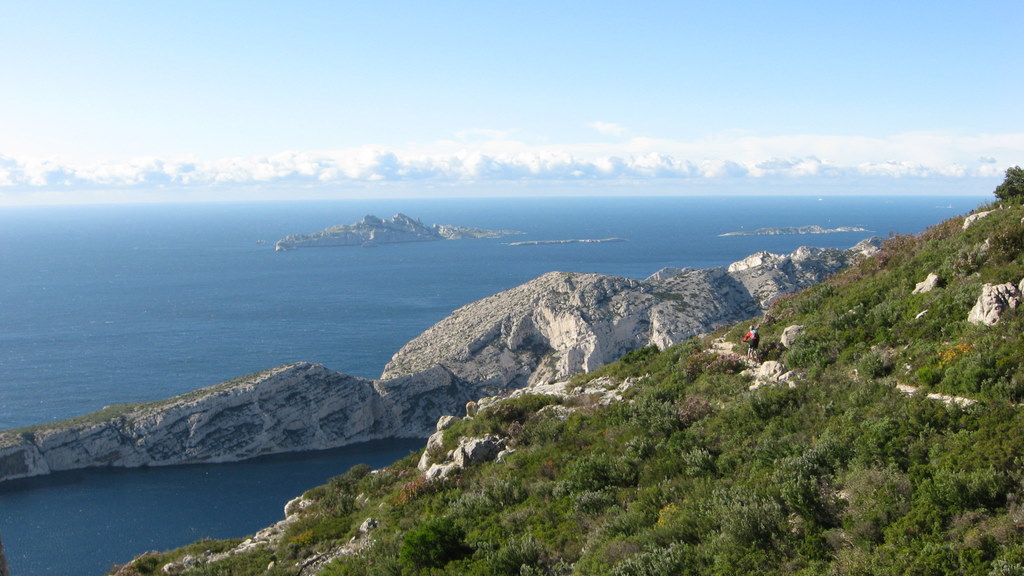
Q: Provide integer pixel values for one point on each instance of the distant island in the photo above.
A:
(569, 241)
(795, 230)
(372, 230)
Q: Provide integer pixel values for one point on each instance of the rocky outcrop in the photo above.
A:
(291, 408)
(930, 283)
(564, 323)
(770, 373)
(790, 335)
(470, 452)
(970, 220)
(373, 230)
(995, 299)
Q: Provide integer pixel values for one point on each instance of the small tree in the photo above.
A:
(1013, 186)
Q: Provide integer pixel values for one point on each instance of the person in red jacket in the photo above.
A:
(752, 338)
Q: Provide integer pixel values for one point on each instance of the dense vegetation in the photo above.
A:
(694, 473)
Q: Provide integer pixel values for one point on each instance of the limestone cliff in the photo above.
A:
(563, 323)
(290, 408)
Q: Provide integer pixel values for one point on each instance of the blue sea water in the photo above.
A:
(110, 304)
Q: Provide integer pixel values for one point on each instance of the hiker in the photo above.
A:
(752, 338)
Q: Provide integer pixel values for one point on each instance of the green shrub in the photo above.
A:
(594, 472)
(875, 498)
(873, 365)
(518, 554)
(747, 518)
(433, 544)
(675, 560)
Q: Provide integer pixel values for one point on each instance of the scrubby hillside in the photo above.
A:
(680, 461)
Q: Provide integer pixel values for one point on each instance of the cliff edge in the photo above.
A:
(290, 408)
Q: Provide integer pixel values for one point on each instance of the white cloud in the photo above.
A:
(731, 157)
(609, 128)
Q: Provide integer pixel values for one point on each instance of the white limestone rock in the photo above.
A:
(667, 272)
(296, 506)
(473, 451)
(470, 452)
(995, 299)
(868, 247)
(296, 407)
(930, 283)
(770, 373)
(368, 525)
(790, 335)
(435, 441)
(970, 220)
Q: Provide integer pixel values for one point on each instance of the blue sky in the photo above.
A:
(164, 101)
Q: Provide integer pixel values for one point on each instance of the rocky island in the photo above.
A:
(554, 326)
(813, 229)
(372, 230)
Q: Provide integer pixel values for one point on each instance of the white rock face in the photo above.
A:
(564, 323)
(970, 220)
(930, 283)
(993, 301)
(290, 408)
(790, 335)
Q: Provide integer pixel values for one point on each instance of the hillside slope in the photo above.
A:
(685, 461)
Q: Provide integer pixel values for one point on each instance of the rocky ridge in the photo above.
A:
(540, 332)
(290, 408)
(563, 323)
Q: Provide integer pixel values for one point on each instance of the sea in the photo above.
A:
(108, 304)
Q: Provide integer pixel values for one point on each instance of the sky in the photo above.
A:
(139, 101)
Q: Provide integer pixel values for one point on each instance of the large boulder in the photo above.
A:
(995, 299)
(473, 451)
(770, 373)
(790, 335)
